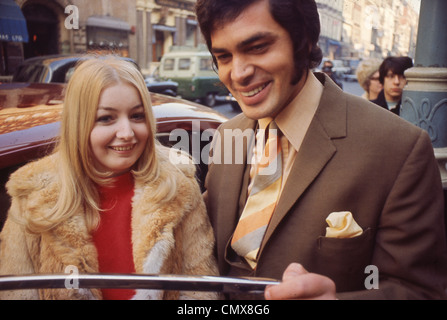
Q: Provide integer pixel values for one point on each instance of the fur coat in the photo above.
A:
(175, 238)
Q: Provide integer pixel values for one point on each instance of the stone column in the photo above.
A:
(140, 38)
(149, 38)
(424, 101)
(145, 34)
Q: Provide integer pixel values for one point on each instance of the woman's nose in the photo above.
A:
(125, 130)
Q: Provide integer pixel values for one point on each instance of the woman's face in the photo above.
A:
(375, 86)
(120, 132)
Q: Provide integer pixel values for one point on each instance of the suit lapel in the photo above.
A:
(316, 151)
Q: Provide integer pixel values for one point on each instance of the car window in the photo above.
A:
(60, 74)
(69, 74)
(29, 73)
(206, 64)
(168, 64)
(184, 64)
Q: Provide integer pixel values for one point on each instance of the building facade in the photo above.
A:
(79, 26)
(141, 29)
(162, 24)
(379, 28)
(331, 20)
(145, 29)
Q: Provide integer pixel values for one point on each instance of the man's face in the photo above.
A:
(393, 86)
(255, 61)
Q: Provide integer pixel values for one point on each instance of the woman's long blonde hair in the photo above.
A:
(76, 173)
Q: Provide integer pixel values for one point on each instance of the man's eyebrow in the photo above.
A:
(247, 42)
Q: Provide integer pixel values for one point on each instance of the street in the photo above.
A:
(350, 87)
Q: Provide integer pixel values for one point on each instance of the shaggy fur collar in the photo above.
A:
(157, 231)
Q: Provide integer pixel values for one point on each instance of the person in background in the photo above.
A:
(328, 69)
(369, 78)
(391, 76)
(108, 199)
(346, 188)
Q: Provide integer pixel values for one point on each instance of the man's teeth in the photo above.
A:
(253, 92)
(127, 148)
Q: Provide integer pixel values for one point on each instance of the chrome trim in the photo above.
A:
(136, 281)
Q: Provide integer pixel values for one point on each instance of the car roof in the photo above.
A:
(174, 54)
(28, 95)
(54, 62)
(23, 95)
(56, 58)
(51, 58)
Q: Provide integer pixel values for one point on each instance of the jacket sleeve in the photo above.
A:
(15, 258)
(410, 252)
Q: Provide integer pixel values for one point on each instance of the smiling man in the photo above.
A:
(354, 186)
(255, 64)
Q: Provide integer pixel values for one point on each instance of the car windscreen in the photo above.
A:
(29, 73)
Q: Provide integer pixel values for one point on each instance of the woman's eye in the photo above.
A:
(140, 116)
(104, 119)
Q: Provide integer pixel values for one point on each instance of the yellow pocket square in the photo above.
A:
(342, 225)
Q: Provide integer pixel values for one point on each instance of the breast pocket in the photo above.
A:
(345, 260)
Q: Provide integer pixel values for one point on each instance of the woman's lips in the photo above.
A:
(123, 148)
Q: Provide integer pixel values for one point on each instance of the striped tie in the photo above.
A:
(263, 197)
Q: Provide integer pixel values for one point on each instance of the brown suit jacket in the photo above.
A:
(355, 157)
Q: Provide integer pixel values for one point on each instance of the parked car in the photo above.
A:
(339, 67)
(29, 126)
(167, 87)
(58, 69)
(193, 70)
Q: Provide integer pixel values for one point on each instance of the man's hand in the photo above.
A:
(297, 283)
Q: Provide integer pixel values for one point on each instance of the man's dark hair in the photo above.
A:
(299, 17)
(397, 65)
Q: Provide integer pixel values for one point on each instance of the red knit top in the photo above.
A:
(113, 236)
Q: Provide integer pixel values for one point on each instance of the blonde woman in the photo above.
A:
(108, 199)
(368, 78)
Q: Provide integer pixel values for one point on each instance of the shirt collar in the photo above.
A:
(295, 119)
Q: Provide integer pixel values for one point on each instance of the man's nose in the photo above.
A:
(398, 78)
(242, 70)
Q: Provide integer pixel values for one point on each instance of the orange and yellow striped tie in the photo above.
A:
(262, 199)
